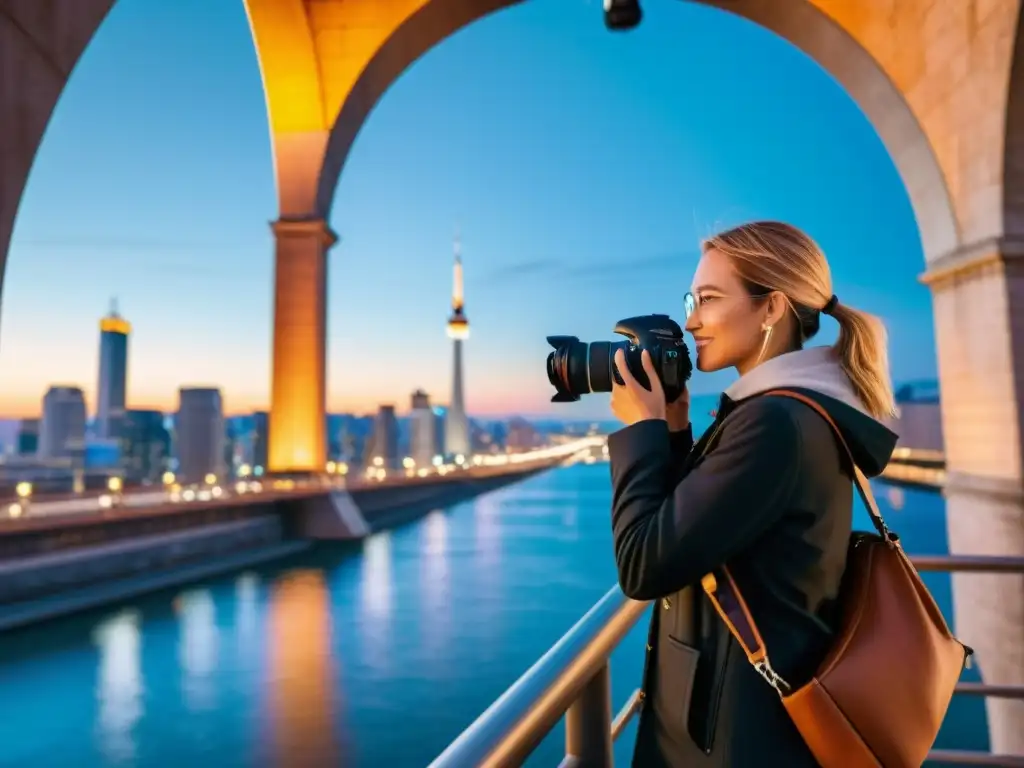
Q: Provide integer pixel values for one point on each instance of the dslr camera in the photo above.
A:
(576, 368)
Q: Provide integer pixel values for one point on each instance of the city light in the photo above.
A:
(114, 485)
(588, 450)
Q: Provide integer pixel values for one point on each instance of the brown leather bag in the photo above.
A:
(879, 697)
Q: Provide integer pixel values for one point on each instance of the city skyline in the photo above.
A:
(581, 199)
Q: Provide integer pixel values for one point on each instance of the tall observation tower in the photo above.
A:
(111, 391)
(456, 429)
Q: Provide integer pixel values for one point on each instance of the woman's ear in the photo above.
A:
(777, 306)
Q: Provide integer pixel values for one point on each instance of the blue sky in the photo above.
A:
(581, 167)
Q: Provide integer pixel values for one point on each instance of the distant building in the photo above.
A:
(260, 438)
(522, 436)
(422, 428)
(111, 391)
(62, 431)
(919, 417)
(440, 420)
(199, 434)
(28, 438)
(145, 446)
(385, 437)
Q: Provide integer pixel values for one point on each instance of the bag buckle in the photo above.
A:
(764, 668)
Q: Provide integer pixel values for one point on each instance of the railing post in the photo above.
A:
(588, 723)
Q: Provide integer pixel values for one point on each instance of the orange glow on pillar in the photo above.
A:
(297, 439)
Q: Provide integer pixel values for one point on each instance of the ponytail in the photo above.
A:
(861, 350)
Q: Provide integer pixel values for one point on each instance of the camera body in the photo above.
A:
(576, 368)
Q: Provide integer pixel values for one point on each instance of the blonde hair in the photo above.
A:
(773, 256)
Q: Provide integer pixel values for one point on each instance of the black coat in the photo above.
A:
(771, 497)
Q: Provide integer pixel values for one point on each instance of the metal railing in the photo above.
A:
(572, 680)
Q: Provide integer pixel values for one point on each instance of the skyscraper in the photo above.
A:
(28, 437)
(199, 434)
(111, 392)
(62, 432)
(422, 443)
(456, 430)
(145, 446)
(261, 431)
(385, 436)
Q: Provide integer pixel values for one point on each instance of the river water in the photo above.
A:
(375, 654)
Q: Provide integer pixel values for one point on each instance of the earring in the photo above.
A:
(767, 330)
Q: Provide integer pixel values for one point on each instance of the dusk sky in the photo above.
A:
(581, 167)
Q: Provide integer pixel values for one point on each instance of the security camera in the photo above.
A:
(622, 14)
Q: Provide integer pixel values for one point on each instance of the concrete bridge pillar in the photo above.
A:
(298, 390)
(978, 292)
(300, 124)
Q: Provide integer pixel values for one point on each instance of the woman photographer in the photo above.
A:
(767, 490)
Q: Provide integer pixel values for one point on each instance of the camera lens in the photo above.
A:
(567, 368)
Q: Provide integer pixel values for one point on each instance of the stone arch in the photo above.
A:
(42, 42)
(427, 27)
(800, 22)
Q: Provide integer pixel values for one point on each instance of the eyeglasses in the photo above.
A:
(691, 302)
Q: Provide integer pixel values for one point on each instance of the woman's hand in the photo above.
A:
(631, 401)
(677, 413)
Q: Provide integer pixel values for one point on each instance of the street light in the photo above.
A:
(115, 485)
(23, 491)
(210, 479)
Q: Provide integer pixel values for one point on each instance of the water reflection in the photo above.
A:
(119, 687)
(435, 580)
(247, 609)
(487, 563)
(571, 522)
(375, 581)
(302, 672)
(896, 497)
(197, 649)
(487, 530)
(375, 592)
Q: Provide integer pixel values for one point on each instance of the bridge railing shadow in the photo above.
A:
(572, 680)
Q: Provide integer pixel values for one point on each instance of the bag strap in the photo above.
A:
(724, 593)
